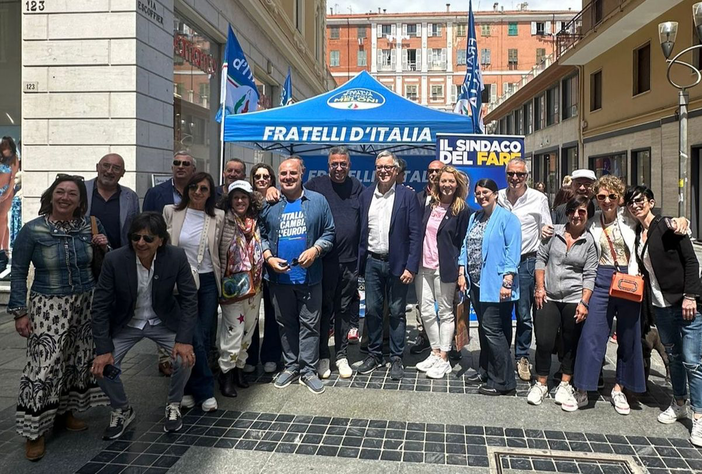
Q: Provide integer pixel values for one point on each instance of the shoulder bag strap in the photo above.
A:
(203, 240)
(609, 241)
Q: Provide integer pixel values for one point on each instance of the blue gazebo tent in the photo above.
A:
(362, 114)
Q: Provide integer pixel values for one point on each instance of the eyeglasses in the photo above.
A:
(202, 188)
(582, 213)
(182, 163)
(518, 174)
(108, 167)
(342, 164)
(639, 201)
(384, 167)
(262, 176)
(603, 197)
(74, 177)
(149, 239)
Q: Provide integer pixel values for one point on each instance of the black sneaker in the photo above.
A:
(397, 370)
(174, 420)
(119, 421)
(369, 365)
(420, 345)
(476, 379)
(455, 355)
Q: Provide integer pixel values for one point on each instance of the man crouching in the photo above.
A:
(134, 299)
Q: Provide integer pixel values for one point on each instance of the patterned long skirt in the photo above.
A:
(57, 376)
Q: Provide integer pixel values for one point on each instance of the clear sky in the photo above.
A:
(397, 6)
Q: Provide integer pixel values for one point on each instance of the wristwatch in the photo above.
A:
(587, 306)
(18, 313)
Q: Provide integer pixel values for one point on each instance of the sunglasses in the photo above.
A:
(582, 213)
(70, 176)
(432, 171)
(639, 201)
(182, 163)
(149, 239)
(262, 176)
(202, 188)
(518, 174)
(603, 197)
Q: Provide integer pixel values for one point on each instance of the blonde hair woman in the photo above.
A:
(444, 227)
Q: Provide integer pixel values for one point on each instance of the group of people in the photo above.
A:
(106, 276)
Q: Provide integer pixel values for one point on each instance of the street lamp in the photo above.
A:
(667, 33)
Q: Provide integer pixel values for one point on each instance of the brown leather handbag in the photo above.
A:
(624, 286)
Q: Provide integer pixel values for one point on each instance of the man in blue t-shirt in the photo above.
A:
(295, 232)
(340, 284)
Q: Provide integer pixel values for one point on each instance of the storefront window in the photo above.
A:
(610, 164)
(10, 69)
(196, 74)
(641, 167)
(569, 160)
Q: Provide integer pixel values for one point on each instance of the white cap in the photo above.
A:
(241, 184)
(587, 174)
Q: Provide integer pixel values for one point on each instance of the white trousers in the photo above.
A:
(431, 289)
(239, 321)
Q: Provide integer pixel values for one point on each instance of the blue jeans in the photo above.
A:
(683, 343)
(379, 283)
(201, 382)
(524, 308)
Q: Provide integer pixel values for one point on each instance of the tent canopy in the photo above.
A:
(362, 114)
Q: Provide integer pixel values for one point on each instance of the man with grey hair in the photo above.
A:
(113, 204)
(531, 207)
(171, 191)
(389, 251)
(234, 170)
(340, 283)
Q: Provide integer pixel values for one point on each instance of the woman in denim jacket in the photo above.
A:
(56, 322)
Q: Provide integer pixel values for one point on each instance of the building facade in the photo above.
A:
(422, 56)
(606, 103)
(141, 78)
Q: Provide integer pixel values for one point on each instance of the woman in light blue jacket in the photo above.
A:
(487, 265)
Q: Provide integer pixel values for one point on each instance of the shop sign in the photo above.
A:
(187, 50)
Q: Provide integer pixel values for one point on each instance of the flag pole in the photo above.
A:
(223, 108)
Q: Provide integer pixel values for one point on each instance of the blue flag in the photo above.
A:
(239, 92)
(470, 100)
(286, 91)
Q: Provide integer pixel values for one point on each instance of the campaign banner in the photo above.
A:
(363, 168)
(479, 156)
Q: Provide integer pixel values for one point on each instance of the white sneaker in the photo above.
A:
(621, 405)
(577, 399)
(563, 392)
(696, 433)
(270, 367)
(323, 369)
(439, 369)
(428, 363)
(537, 393)
(248, 368)
(208, 405)
(673, 413)
(188, 401)
(345, 370)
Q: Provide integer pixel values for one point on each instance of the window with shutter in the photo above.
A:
(485, 30)
(512, 29)
(334, 32)
(361, 32)
(485, 57)
(334, 58)
(361, 58)
(512, 59)
(461, 57)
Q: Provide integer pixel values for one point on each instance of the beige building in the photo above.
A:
(141, 78)
(606, 103)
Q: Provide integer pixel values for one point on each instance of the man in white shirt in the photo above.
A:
(531, 207)
(134, 300)
(389, 251)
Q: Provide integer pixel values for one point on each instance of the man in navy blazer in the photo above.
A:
(171, 191)
(389, 251)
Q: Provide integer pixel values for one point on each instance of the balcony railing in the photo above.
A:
(437, 65)
(584, 22)
(386, 67)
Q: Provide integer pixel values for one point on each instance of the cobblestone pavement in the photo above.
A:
(364, 424)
